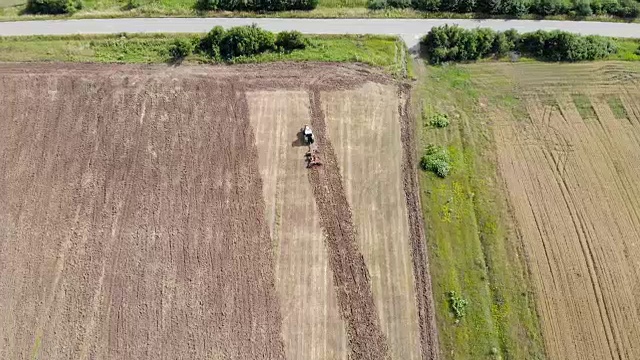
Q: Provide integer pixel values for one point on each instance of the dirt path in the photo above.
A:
(424, 296)
(351, 276)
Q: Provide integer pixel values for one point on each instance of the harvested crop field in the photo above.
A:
(570, 159)
(163, 213)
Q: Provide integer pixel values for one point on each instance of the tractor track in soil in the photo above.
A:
(417, 237)
(351, 276)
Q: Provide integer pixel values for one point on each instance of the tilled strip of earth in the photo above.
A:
(424, 295)
(350, 274)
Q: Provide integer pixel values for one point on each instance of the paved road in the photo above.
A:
(409, 29)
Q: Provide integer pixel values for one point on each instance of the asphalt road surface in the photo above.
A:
(409, 29)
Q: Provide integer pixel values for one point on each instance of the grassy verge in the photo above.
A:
(11, 10)
(380, 51)
(471, 246)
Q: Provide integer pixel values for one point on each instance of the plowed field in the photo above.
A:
(157, 213)
(571, 165)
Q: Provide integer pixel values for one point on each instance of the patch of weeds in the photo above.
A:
(583, 104)
(617, 108)
(180, 49)
(131, 5)
(457, 305)
(446, 212)
(437, 160)
(439, 120)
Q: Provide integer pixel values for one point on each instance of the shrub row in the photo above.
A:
(54, 7)
(452, 43)
(256, 5)
(517, 8)
(221, 44)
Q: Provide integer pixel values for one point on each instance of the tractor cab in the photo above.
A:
(308, 134)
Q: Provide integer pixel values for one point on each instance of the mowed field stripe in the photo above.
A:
(352, 280)
(312, 327)
(365, 130)
(574, 183)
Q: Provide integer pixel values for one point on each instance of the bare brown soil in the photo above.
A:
(132, 223)
(570, 167)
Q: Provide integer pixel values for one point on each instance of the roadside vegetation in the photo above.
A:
(519, 8)
(484, 303)
(600, 10)
(454, 44)
(386, 52)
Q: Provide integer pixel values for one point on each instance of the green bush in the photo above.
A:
(457, 305)
(53, 7)
(264, 5)
(549, 7)
(439, 120)
(564, 46)
(582, 8)
(452, 43)
(424, 5)
(210, 43)
(207, 5)
(505, 42)
(132, 4)
(220, 44)
(436, 159)
(180, 49)
(628, 9)
(245, 41)
(291, 40)
(516, 8)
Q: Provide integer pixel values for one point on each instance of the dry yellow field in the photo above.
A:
(570, 163)
(364, 127)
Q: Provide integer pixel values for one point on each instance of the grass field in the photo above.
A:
(522, 137)
(11, 3)
(471, 247)
(383, 51)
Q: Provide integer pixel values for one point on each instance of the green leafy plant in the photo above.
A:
(180, 49)
(291, 40)
(53, 7)
(131, 5)
(439, 120)
(246, 41)
(436, 159)
(457, 305)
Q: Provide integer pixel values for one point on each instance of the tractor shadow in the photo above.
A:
(299, 142)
